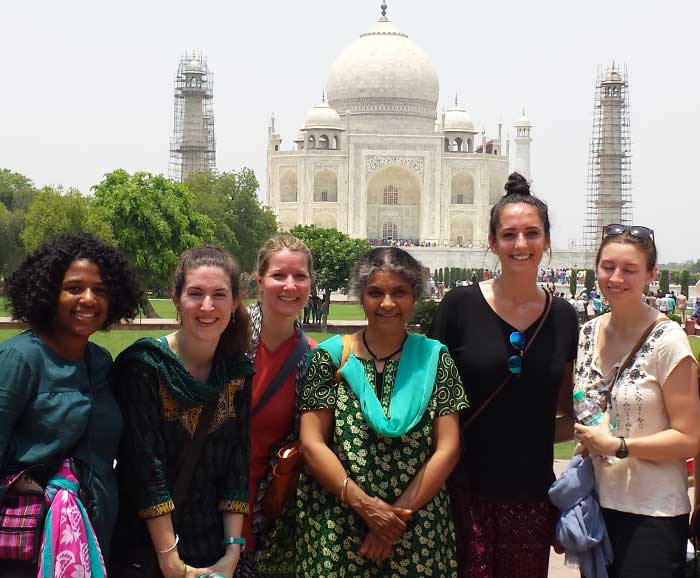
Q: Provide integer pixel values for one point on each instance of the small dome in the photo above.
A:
(323, 116)
(524, 121)
(458, 120)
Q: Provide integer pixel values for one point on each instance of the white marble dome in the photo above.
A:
(383, 71)
(523, 121)
(458, 120)
(323, 116)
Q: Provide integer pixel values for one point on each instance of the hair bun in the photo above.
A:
(517, 185)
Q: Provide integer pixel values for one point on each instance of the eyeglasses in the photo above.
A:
(638, 231)
(515, 361)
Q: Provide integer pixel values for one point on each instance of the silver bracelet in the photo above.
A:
(177, 539)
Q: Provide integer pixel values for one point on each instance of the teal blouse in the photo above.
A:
(50, 408)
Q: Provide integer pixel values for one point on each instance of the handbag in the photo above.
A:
(285, 473)
(22, 515)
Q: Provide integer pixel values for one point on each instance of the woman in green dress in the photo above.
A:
(379, 442)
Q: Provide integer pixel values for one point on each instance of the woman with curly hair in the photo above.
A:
(56, 406)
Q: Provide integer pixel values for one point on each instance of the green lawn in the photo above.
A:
(346, 311)
(4, 307)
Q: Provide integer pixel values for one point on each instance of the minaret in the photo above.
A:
(192, 147)
(609, 175)
(523, 139)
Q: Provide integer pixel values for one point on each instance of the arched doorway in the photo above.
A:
(393, 195)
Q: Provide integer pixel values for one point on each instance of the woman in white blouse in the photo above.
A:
(653, 406)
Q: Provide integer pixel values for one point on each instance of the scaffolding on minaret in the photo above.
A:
(192, 147)
(609, 198)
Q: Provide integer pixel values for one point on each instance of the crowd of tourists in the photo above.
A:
(244, 448)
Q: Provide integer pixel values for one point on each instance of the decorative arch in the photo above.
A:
(325, 187)
(323, 142)
(461, 231)
(288, 187)
(390, 230)
(335, 143)
(462, 189)
(394, 195)
(312, 142)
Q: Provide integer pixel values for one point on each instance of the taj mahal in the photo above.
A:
(375, 160)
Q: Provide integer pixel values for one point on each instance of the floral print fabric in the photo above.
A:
(329, 533)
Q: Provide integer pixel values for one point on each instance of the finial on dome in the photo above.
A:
(523, 112)
(323, 96)
(384, 9)
(456, 103)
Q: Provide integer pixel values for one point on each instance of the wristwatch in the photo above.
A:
(622, 452)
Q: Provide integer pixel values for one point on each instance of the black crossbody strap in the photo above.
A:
(547, 307)
(190, 457)
(628, 361)
(300, 349)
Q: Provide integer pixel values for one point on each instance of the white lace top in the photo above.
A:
(637, 409)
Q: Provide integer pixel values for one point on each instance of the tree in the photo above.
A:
(664, 281)
(241, 223)
(51, 214)
(152, 220)
(589, 280)
(685, 281)
(573, 282)
(334, 253)
(16, 190)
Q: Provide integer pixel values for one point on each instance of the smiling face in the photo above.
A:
(286, 283)
(388, 301)
(623, 273)
(520, 238)
(206, 303)
(83, 302)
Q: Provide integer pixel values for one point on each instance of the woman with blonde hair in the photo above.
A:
(278, 352)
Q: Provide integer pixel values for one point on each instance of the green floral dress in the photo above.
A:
(329, 533)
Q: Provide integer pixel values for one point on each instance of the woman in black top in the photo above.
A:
(506, 463)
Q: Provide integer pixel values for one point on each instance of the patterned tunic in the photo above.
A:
(329, 533)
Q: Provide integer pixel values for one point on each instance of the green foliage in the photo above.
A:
(423, 314)
(16, 190)
(151, 219)
(685, 281)
(52, 214)
(664, 280)
(334, 253)
(589, 280)
(573, 282)
(674, 317)
(441, 276)
(241, 223)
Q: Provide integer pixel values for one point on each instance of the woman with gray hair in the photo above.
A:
(380, 435)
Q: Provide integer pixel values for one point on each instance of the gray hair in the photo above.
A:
(390, 259)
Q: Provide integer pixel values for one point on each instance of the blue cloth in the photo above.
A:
(581, 528)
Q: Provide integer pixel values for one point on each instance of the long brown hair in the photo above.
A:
(236, 337)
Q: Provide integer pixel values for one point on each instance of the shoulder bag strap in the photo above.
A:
(190, 457)
(291, 362)
(344, 357)
(630, 358)
(547, 307)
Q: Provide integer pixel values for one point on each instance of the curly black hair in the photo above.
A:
(34, 288)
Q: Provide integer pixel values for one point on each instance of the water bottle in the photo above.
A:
(587, 410)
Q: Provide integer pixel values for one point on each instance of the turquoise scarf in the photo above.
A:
(415, 380)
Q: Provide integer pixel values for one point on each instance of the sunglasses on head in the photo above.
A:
(515, 362)
(635, 230)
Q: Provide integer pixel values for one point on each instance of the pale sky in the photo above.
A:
(87, 86)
